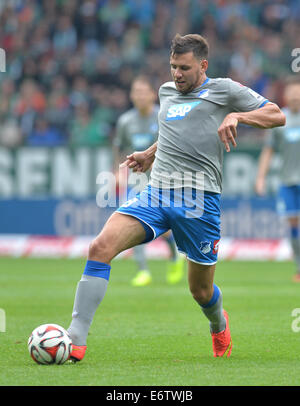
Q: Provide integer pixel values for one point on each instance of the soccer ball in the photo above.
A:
(50, 344)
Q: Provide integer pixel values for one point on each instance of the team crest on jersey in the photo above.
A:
(179, 111)
(205, 247)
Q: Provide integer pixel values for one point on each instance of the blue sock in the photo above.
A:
(295, 233)
(213, 310)
(214, 297)
(97, 269)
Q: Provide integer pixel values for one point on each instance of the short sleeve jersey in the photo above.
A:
(188, 141)
(135, 132)
(286, 141)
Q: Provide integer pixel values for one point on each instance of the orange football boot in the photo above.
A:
(222, 343)
(77, 353)
(296, 277)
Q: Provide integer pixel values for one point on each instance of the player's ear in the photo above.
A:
(204, 64)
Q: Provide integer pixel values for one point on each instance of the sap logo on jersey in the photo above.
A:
(179, 111)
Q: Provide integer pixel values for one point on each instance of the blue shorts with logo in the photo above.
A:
(192, 215)
(288, 202)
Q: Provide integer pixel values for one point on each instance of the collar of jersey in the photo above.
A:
(203, 84)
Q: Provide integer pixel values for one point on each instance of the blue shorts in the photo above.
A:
(192, 215)
(288, 203)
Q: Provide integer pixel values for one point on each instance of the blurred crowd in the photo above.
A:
(70, 63)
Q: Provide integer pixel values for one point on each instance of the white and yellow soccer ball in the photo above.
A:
(50, 344)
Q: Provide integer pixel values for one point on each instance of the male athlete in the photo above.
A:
(286, 141)
(136, 130)
(197, 114)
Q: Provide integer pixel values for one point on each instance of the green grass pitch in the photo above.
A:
(156, 335)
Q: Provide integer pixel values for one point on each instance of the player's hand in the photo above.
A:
(138, 161)
(227, 131)
(260, 186)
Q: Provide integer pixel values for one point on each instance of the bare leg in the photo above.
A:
(201, 279)
(119, 233)
(206, 294)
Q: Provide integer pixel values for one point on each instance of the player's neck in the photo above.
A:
(146, 111)
(202, 80)
(199, 83)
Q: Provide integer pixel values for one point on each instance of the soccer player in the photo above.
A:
(286, 141)
(136, 130)
(197, 114)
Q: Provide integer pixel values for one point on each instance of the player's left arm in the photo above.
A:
(268, 116)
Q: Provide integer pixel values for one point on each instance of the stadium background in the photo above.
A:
(69, 65)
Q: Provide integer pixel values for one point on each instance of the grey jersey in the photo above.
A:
(286, 141)
(188, 141)
(135, 132)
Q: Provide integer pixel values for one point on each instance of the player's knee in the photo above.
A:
(99, 250)
(201, 294)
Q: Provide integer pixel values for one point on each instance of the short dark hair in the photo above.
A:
(190, 43)
(143, 78)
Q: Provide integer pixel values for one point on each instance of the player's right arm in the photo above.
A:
(263, 168)
(141, 161)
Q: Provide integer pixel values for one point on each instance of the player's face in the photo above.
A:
(142, 96)
(187, 71)
(292, 97)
